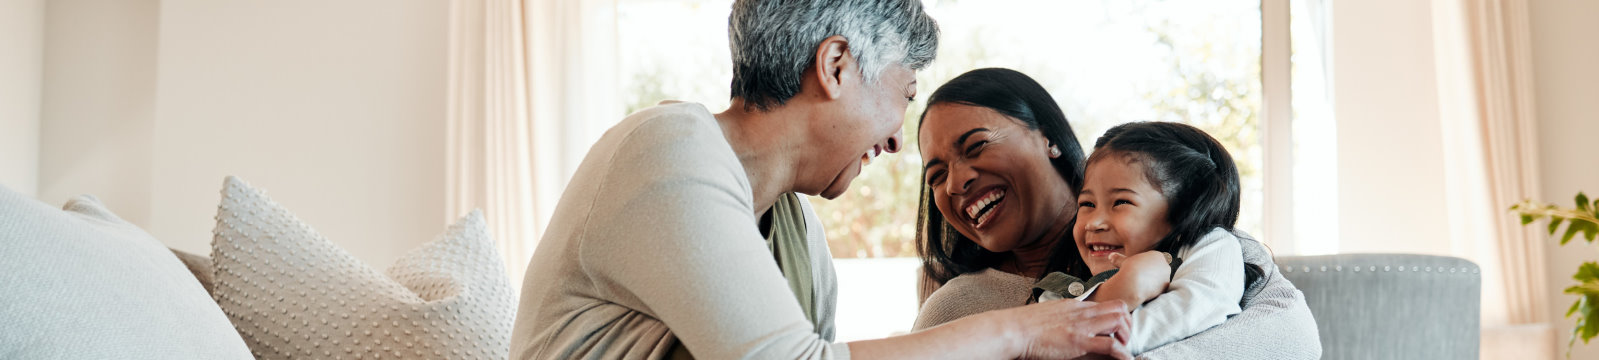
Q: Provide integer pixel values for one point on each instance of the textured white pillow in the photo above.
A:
(84, 284)
(293, 294)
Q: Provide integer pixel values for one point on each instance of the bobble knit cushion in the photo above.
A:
(293, 294)
(84, 284)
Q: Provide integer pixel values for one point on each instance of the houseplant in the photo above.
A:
(1584, 219)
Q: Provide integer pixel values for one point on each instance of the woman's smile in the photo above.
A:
(980, 210)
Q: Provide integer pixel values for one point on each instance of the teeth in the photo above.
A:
(971, 211)
(1102, 247)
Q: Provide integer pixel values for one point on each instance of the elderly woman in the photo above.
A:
(999, 196)
(680, 234)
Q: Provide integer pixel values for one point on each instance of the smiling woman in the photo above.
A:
(1002, 123)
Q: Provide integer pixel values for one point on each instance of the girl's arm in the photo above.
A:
(1275, 323)
(1204, 291)
(1140, 278)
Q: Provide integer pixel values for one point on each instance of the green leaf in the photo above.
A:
(1582, 202)
(1589, 229)
(1570, 231)
(1554, 223)
(1590, 324)
(1573, 307)
(1587, 272)
(1527, 219)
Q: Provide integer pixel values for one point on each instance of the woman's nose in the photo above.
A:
(895, 141)
(960, 179)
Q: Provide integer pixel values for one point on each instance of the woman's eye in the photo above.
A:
(1086, 204)
(1121, 202)
(935, 178)
(975, 148)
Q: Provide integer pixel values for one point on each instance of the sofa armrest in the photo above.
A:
(1391, 306)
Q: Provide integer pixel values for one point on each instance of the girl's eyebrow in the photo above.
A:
(1113, 191)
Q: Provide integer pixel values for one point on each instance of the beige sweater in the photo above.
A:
(654, 242)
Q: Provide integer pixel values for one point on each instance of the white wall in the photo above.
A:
(99, 103)
(1390, 142)
(1566, 68)
(336, 107)
(21, 56)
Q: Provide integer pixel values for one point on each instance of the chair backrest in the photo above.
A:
(1391, 306)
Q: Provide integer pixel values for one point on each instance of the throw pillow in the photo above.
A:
(293, 294)
(84, 284)
(199, 265)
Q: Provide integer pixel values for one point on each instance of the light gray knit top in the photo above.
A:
(1275, 322)
(655, 241)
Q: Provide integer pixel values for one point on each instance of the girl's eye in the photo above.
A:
(935, 178)
(1086, 204)
(1121, 202)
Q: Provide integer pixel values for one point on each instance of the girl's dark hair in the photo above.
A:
(944, 251)
(1193, 171)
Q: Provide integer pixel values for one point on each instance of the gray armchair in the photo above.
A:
(1391, 306)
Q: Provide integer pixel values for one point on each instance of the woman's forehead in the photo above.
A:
(948, 120)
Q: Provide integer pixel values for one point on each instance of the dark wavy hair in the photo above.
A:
(1192, 170)
(944, 251)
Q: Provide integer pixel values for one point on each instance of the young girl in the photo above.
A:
(1159, 201)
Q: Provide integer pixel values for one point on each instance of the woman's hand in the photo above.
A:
(1069, 329)
(1062, 329)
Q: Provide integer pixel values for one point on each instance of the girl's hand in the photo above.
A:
(1070, 329)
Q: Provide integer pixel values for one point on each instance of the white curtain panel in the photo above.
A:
(532, 85)
(1486, 102)
(1501, 38)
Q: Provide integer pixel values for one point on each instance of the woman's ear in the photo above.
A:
(834, 66)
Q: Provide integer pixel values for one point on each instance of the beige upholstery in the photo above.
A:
(81, 283)
(293, 294)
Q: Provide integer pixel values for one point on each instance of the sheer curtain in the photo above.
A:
(1486, 99)
(531, 86)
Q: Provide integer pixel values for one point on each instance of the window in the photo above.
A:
(1105, 62)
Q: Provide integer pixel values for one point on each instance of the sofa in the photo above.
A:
(78, 282)
(1391, 306)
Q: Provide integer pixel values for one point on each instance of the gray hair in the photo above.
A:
(774, 41)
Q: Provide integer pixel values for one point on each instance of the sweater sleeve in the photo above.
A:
(1205, 290)
(675, 235)
(1275, 323)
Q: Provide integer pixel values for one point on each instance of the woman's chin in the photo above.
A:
(993, 245)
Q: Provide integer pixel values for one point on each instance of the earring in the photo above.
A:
(1054, 152)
